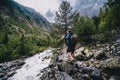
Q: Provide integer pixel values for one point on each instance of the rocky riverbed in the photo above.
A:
(27, 69)
(101, 62)
(8, 69)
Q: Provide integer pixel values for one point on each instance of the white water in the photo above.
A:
(32, 66)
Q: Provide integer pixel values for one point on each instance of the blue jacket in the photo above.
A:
(68, 37)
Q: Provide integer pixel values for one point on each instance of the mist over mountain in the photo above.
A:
(89, 7)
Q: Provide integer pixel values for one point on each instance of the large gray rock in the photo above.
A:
(115, 77)
(100, 54)
(9, 74)
(81, 64)
(2, 75)
(92, 72)
(83, 54)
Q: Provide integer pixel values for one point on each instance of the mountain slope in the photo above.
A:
(21, 18)
(23, 31)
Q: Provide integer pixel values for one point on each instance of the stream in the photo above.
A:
(32, 67)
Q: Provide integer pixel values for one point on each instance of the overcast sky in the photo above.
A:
(48, 7)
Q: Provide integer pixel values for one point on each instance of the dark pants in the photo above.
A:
(71, 49)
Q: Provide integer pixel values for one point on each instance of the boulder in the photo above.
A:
(100, 54)
(85, 77)
(9, 74)
(84, 55)
(2, 75)
(115, 77)
(80, 64)
(92, 72)
(20, 63)
(96, 74)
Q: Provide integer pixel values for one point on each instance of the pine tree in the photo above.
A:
(5, 40)
(22, 45)
(109, 16)
(64, 15)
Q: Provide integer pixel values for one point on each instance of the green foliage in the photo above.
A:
(84, 28)
(19, 46)
(5, 53)
(110, 14)
(102, 28)
(96, 21)
(109, 19)
(16, 20)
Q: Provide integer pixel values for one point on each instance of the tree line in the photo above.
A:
(103, 27)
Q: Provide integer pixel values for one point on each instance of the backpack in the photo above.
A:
(68, 36)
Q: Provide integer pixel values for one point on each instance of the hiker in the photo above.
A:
(71, 42)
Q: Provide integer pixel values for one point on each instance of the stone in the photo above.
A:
(20, 63)
(88, 53)
(86, 77)
(1, 65)
(51, 65)
(96, 72)
(115, 77)
(11, 65)
(80, 64)
(4, 78)
(100, 55)
(92, 72)
(2, 75)
(9, 74)
(66, 76)
(84, 55)
(86, 70)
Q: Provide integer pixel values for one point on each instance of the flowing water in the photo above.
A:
(31, 69)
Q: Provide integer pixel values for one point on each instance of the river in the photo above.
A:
(32, 67)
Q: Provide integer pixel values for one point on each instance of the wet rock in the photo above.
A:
(54, 74)
(65, 76)
(20, 63)
(112, 71)
(96, 74)
(4, 78)
(7, 69)
(4, 68)
(9, 74)
(115, 77)
(60, 68)
(2, 75)
(87, 70)
(51, 65)
(85, 77)
(46, 57)
(118, 53)
(1, 65)
(11, 64)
